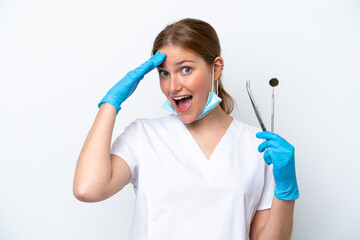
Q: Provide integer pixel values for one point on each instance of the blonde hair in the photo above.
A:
(199, 37)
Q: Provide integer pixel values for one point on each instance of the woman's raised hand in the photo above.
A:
(281, 154)
(127, 85)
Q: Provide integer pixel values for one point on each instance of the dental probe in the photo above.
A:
(273, 83)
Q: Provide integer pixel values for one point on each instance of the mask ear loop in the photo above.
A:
(217, 81)
(217, 87)
(212, 79)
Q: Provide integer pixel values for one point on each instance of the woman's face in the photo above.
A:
(185, 79)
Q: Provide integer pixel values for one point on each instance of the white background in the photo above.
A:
(59, 58)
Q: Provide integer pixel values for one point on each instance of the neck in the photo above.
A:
(214, 120)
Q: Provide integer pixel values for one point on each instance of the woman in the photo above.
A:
(197, 173)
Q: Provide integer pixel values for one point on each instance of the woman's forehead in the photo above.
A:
(176, 55)
(174, 51)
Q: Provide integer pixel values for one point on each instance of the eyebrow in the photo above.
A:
(177, 64)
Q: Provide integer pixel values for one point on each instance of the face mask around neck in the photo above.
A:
(212, 102)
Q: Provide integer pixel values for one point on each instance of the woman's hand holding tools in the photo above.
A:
(281, 154)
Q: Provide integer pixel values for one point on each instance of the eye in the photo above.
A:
(163, 73)
(186, 70)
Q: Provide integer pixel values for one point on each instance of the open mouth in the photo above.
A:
(183, 103)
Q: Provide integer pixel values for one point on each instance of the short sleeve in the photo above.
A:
(268, 190)
(126, 147)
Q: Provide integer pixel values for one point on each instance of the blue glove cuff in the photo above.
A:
(292, 193)
(112, 101)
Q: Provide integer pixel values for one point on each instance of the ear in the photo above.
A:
(218, 67)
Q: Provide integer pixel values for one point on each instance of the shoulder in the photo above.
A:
(240, 126)
(246, 132)
(165, 123)
(147, 129)
(247, 143)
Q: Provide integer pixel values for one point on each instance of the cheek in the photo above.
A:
(199, 83)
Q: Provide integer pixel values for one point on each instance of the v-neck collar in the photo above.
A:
(221, 150)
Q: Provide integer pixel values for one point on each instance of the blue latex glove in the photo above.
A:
(281, 154)
(127, 85)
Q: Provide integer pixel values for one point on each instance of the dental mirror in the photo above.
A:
(273, 83)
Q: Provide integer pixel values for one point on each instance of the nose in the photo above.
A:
(175, 84)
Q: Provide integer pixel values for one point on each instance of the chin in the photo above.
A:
(187, 119)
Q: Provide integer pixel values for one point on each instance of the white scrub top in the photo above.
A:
(180, 194)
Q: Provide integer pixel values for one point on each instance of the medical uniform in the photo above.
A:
(180, 194)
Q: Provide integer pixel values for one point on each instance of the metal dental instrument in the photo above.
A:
(273, 83)
(256, 109)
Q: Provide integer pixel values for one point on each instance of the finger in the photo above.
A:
(156, 60)
(267, 157)
(138, 73)
(269, 136)
(267, 144)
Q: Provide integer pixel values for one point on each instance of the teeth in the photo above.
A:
(181, 98)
